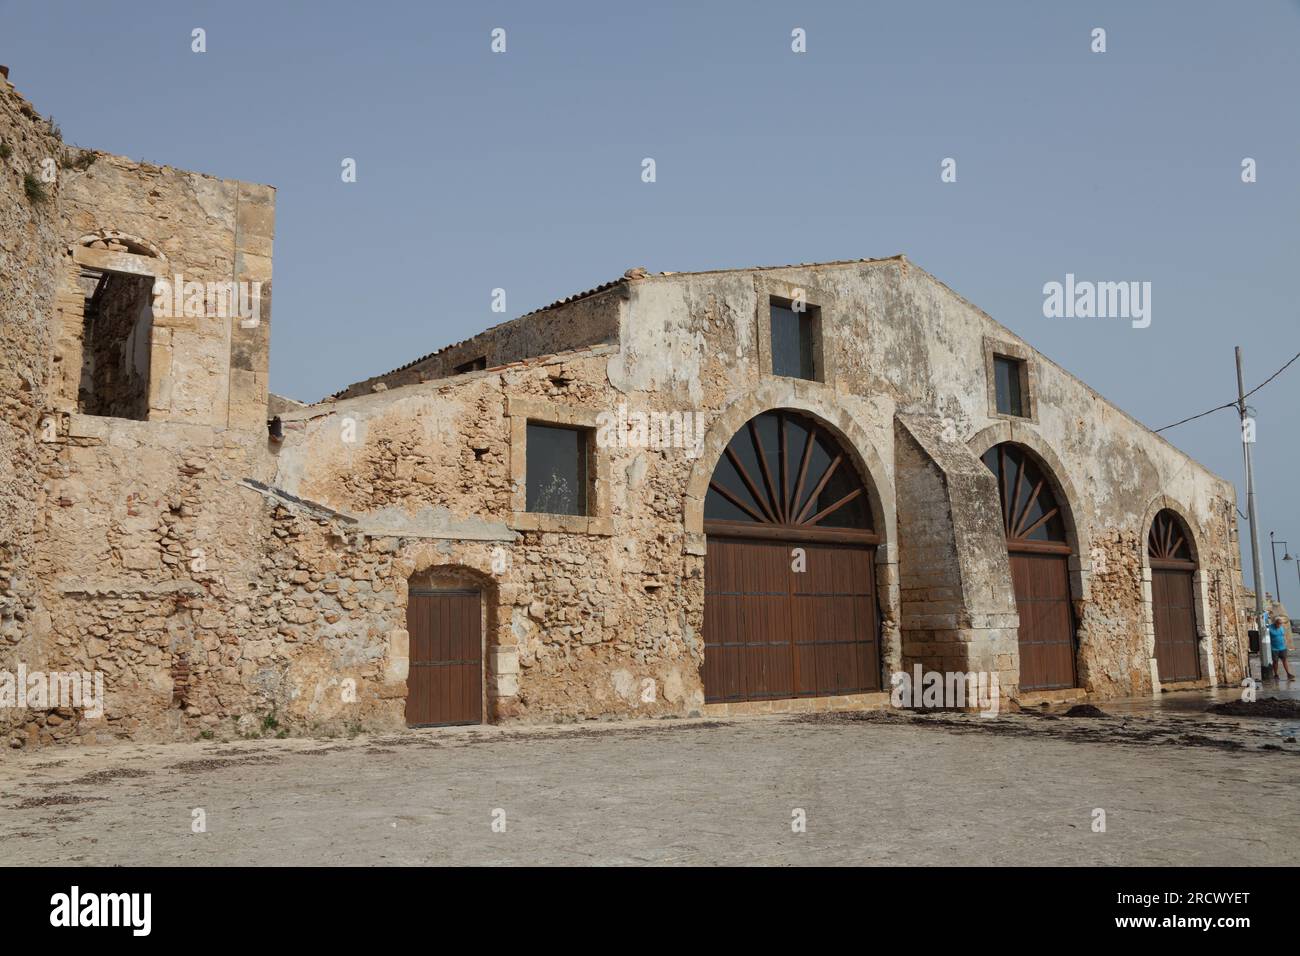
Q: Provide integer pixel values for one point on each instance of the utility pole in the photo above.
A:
(1247, 439)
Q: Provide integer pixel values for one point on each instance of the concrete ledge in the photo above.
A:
(1034, 698)
(799, 705)
(132, 589)
(1183, 685)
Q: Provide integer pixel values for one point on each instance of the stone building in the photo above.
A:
(750, 490)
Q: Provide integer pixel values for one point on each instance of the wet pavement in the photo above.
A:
(1198, 702)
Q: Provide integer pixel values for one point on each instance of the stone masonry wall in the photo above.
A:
(28, 253)
(124, 216)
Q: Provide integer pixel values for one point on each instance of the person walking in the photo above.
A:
(1277, 637)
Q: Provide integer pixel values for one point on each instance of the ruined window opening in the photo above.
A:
(556, 469)
(794, 335)
(116, 344)
(1009, 382)
(473, 365)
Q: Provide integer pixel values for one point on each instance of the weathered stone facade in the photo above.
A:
(29, 252)
(224, 581)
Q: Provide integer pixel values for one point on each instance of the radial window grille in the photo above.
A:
(1168, 539)
(1030, 510)
(784, 470)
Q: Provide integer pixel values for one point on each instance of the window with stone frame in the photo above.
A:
(1010, 386)
(794, 330)
(556, 469)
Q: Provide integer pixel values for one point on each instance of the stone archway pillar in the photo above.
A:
(957, 608)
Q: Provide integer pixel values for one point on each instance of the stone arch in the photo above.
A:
(136, 245)
(773, 396)
(1165, 503)
(1063, 488)
(1200, 590)
(836, 419)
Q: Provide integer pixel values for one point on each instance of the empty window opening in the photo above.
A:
(793, 338)
(473, 365)
(1009, 379)
(556, 469)
(116, 344)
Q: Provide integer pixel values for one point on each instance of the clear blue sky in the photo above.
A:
(522, 170)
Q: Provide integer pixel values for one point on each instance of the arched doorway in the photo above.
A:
(1173, 602)
(790, 607)
(1039, 552)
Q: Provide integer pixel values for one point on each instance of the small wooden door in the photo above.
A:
(445, 681)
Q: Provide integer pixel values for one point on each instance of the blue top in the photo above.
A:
(1278, 636)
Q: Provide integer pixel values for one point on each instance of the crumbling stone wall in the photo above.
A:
(29, 234)
(123, 216)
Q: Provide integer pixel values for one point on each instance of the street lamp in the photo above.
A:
(1286, 556)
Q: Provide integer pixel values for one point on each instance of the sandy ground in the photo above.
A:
(889, 788)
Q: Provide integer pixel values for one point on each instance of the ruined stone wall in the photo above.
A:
(123, 216)
(214, 605)
(29, 234)
(581, 621)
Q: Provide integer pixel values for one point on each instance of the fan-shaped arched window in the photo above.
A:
(788, 472)
(1168, 540)
(1030, 511)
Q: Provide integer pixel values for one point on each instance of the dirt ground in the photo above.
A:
(880, 788)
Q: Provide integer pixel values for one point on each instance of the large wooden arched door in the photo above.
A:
(789, 579)
(1173, 589)
(1040, 568)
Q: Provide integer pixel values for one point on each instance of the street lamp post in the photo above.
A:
(1286, 556)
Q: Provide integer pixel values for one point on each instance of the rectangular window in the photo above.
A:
(473, 365)
(556, 469)
(792, 340)
(1008, 376)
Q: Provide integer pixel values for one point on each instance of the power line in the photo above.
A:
(1219, 408)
